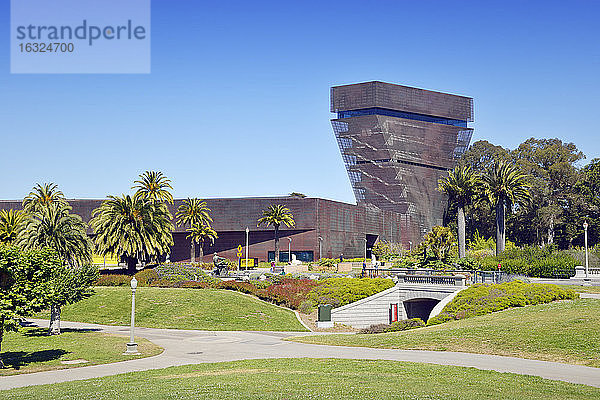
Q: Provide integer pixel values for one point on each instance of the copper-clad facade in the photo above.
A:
(343, 228)
(397, 142)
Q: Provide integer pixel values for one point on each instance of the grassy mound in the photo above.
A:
(311, 379)
(207, 309)
(295, 293)
(561, 331)
(33, 351)
(483, 299)
(342, 291)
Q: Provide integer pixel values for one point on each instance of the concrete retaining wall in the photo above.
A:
(375, 309)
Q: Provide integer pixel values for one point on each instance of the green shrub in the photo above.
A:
(342, 291)
(402, 325)
(483, 299)
(406, 324)
(468, 263)
(407, 262)
(113, 280)
(385, 250)
(481, 253)
(375, 328)
(541, 262)
(147, 277)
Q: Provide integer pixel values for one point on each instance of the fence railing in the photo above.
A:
(418, 275)
(458, 280)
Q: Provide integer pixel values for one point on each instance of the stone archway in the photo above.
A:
(419, 308)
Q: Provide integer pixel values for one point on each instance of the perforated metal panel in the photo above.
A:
(394, 163)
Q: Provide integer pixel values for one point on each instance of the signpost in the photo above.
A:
(239, 254)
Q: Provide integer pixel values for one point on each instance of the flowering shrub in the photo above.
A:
(288, 292)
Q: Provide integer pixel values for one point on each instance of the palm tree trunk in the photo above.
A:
(500, 228)
(54, 328)
(131, 265)
(461, 232)
(276, 244)
(201, 251)
(192, 251)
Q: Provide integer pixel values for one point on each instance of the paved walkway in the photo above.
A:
(192, 347)
(590, 295)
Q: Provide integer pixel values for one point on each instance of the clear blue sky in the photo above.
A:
(237, 103)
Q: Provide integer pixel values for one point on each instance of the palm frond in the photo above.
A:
(153, 185)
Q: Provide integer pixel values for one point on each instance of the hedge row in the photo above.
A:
(534, 261)
(483, 299)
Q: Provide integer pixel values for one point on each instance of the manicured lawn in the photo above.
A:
(206, 309)
(311, 379)
(32, 350)
(582, 289)
(565, 331)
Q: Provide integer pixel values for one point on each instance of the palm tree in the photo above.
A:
(154, 186)
(10, 223)
(461, 187)
(199, 233)
(133, 228)
(43, 195)
(276, 215)
(193, 212)
(53, 226)
(506, 186)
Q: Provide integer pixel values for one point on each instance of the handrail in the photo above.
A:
(470, 276)
(457, 280)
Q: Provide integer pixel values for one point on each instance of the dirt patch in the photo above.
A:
(311, 321)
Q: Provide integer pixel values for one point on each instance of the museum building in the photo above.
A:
(396, 143)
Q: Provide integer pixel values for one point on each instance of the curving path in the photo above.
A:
(192, 347)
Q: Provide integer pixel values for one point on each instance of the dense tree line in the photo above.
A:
(563, 194)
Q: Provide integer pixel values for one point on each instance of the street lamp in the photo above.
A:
(290, 250)
(585, 226)
(132, 345)
(247, 232)
(410, 245)
(320, 246)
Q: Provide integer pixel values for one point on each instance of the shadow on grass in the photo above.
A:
(36, 332)
(19, 359)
